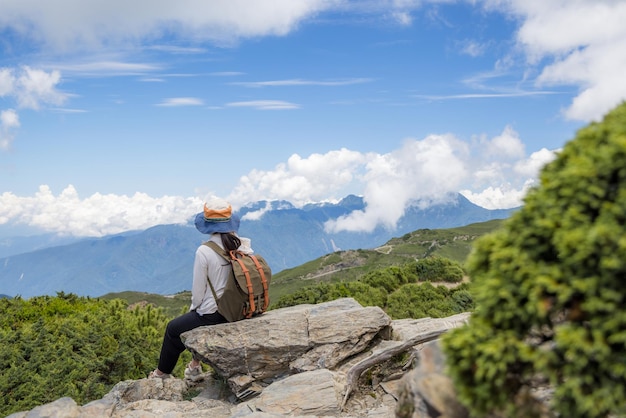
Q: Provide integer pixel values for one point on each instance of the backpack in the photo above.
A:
(246, 293)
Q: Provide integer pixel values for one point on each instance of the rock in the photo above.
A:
(62, 407)
(426, 392)
(309, 393)
(405, 329)
(287, 341)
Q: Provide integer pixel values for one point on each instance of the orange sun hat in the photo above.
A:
(217, 216)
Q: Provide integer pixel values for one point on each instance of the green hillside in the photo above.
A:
(452, 243)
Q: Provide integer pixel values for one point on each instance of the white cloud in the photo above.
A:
(465, 96)
(426, 170)
(181, 101)
(31, 88)
(583, 43)
(107, 67)
(7, 81)
(501, 173)
(403, 18)
(303, 180)
(502, 197)
(257, 214)
(530, 167)
(34, 87)
(300, 82)
(507, 184)
(265, 104)
(472, 48)
(506, 146)
(9, 121)
(96, 215)
(226, 73)
(70, 24)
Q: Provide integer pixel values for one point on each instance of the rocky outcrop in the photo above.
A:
(287, 341)
(335, 359)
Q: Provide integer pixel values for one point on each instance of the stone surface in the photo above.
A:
(426, 392)
(404, 329)
(287, 341)
(307, 393)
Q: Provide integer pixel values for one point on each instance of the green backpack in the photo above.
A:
(247, 290)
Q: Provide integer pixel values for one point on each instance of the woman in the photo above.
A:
(222, 225)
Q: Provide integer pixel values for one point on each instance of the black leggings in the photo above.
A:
(172, 345)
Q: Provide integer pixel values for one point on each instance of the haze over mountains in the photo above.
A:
(160, 259)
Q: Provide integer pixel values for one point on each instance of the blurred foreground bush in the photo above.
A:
(549, 290)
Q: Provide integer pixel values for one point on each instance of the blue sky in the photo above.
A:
(120, 115)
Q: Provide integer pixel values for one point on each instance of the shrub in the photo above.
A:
(388, 278)
(438, 269)
(549, 290)
(323, 292)
(415, 300)
(54, 347)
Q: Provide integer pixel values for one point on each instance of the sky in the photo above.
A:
(120, 115)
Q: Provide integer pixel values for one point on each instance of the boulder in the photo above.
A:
(285, 341)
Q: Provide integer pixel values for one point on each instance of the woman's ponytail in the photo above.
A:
(230, 241)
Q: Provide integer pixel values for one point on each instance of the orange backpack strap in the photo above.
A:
(266, 299)
(246, 272)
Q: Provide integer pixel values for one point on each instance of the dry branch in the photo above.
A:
(352, 377)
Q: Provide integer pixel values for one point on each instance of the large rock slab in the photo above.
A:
(286, 341)
(309, 393)
(405, 329)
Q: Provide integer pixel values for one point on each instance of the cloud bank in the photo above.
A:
(421, 172)
(579, 43)
(96, 215)
(99, 23)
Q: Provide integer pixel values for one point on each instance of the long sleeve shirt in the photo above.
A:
(208, 265)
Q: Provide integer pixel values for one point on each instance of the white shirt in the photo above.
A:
(208, 265)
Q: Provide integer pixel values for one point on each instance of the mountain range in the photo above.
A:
(160, 259)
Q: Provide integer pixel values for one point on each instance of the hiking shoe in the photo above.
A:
(193, 373)
(154, 374)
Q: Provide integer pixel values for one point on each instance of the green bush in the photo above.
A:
(364, 294)
(424, 300)
(549, 290)
(66, 345)
(389, 278)
(438, 269)
(323, 292)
